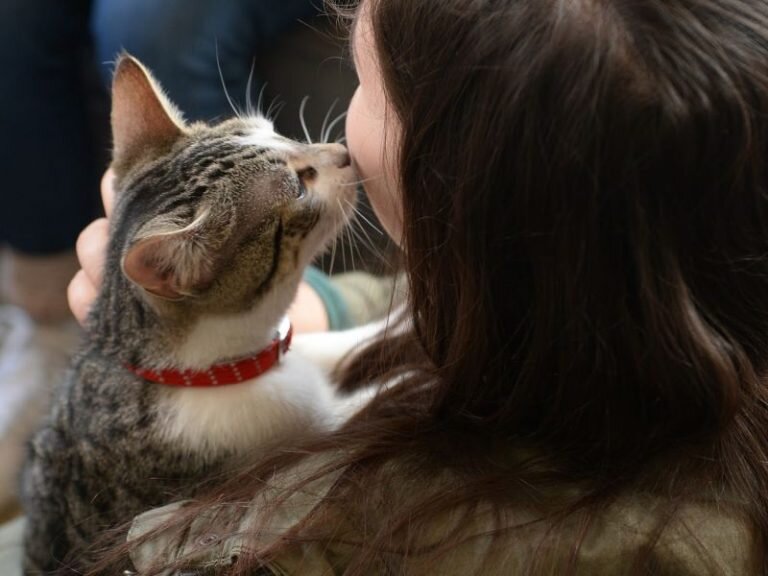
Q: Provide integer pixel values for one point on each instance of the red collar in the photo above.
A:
(225, 373)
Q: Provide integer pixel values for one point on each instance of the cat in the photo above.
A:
(212, 228)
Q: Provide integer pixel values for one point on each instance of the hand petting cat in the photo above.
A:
(91, 250)
(307, 312)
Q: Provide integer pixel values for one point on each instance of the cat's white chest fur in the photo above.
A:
(293, 397)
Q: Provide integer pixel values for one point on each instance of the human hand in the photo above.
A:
(307, 311)
(91, 252)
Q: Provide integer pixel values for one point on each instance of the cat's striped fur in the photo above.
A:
(211, 231)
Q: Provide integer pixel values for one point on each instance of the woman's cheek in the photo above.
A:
(366, 139)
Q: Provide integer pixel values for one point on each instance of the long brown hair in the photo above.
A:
(585, 203)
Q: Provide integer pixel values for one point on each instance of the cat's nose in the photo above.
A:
(335, 155)
(344, 160)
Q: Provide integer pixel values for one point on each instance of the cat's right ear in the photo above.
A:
(143, 119)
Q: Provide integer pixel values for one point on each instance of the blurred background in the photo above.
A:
(56, 60)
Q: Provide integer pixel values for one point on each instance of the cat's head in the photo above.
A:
(211, 217)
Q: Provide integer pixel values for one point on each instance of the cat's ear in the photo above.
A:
(143, 119)
(171, 264)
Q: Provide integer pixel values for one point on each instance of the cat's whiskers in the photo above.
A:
(356, 227)
(361, 181)
(248, 87)
(343, 251)
(235, 109)
(303, 120)
(355, 246)
(358, 230)
(360, 214)
(323, 134)
(333, 252)
(344, 247)
(260, 103)
(370, 245)
(332, 125)
(352, 245)
(351, 239)
(271, 114)
(359, 237)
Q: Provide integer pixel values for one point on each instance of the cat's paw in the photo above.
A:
(327, 349)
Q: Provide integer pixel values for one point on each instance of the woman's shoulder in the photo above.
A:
(473, 537)
(225, 531)
(696, 535)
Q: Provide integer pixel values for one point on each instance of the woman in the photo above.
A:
(579, 191)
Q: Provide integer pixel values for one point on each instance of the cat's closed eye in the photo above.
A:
(306, 176)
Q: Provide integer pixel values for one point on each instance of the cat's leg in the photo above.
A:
(43, 484)
(327, 349)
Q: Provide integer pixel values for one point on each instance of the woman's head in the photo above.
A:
(580, 190)
(583, 214)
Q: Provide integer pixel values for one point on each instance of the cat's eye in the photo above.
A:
(302, 190)
(305, 175)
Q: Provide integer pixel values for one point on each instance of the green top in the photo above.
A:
(335, 307)
(355, 298)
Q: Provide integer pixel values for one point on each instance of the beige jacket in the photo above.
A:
(699, 541)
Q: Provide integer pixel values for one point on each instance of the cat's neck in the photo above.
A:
(125, 328)
(216, 338)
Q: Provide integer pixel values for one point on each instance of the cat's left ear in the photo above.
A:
(173, 263)
(143, 119)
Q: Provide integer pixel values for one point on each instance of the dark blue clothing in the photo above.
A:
(54, 111)
(179, 40)
(52, 157)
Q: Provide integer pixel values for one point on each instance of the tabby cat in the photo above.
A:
(212, 228)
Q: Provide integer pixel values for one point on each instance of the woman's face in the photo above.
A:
(372, 131)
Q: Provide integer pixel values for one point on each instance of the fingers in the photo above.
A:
(81, 294)
(91, 250)
(108, 191)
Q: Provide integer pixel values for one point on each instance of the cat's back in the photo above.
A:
(97, 460)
